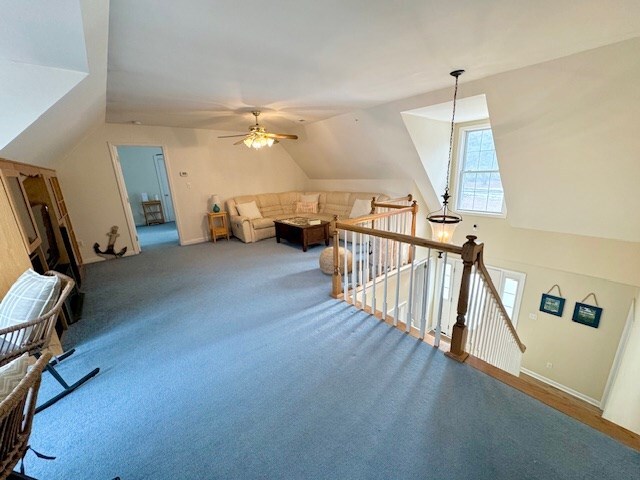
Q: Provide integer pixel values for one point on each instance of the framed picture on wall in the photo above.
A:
(587, 314)
(552, 304)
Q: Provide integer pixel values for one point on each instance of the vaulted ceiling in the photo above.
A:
(352, 77)
(202, 64)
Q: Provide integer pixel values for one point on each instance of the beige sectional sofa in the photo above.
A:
(277, 206)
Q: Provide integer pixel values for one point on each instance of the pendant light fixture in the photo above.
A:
(444, 222)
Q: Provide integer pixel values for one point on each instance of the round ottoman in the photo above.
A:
(326, 260)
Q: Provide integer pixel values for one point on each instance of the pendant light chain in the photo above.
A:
(453, 118)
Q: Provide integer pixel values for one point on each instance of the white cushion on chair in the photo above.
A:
(11, 374)
(31, 296)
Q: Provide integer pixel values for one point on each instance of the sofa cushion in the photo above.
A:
(310, 197)
(288, 202)
(249, 210)
(337, 203)
(259, 223)
(234, 202)
(12, 374)
(269, 204)
(306, 207)
(360, 208)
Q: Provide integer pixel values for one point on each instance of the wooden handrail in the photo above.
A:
(390, 205)
(494, 292)
(399, 237)
(407, 198)
(375, 216)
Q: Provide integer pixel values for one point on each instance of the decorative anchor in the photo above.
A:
(113, 234)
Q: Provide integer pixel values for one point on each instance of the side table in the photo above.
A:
(218, 225)
(153, 213)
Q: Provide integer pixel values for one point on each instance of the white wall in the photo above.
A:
(140, 176)
(212, 165)
(623, 405)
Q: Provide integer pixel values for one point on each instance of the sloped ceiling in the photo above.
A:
(564, 127)
(565, 134)
(57, 52)
(203, 64)
(42, 57)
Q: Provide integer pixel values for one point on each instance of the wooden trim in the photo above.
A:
(390, 205)
(30, 246)
(561, 401)
(374, 216)
(407, 198)
(399, 237)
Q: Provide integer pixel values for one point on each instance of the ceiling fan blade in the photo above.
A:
(239, 142)
(281, 135)
(231, 136)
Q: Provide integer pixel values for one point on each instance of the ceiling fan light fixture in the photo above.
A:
(258, 136)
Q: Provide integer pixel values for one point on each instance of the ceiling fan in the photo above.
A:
(258, 137)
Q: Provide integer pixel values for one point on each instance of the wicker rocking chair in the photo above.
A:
(16, 417)
(33, 337)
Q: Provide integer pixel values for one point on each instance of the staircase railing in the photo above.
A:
(385, 270)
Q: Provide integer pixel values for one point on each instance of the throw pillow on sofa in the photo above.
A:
(306, 207)
(311, 198)
(249, 210)
(360, 208)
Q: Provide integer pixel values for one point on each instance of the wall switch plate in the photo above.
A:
(549, 365)
(533, 316)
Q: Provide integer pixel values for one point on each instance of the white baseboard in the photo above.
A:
(193, 241)
(559, 386)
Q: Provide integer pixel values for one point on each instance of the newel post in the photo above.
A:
(470, 251)
(336, 279)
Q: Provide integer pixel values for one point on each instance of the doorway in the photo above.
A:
(509, 284)
(148, 194)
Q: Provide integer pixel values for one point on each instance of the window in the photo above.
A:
(479, 184)
(509, 292)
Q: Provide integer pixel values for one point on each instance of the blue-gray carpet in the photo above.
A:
(231, 361)
(163, 233)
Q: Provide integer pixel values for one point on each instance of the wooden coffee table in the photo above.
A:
(296, 231)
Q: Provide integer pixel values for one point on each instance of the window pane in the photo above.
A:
(471, 161)
(481, 194)
(486, 160)
(447, 282)
(480, 188)
(510, 286)
(466, 201)
(473, 141)
(496, 194)
(487, 140)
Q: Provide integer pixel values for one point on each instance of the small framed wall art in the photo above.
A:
(587, 314)
(552, 304)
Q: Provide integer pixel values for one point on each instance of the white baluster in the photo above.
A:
(375, 273)
(354, 268)
(412, 249)
(397, 305)
(386, 281)
(425, 296)
(436, 342)
(345, 272)
(365, 270)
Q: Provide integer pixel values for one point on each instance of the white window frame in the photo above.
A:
(462, 137)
